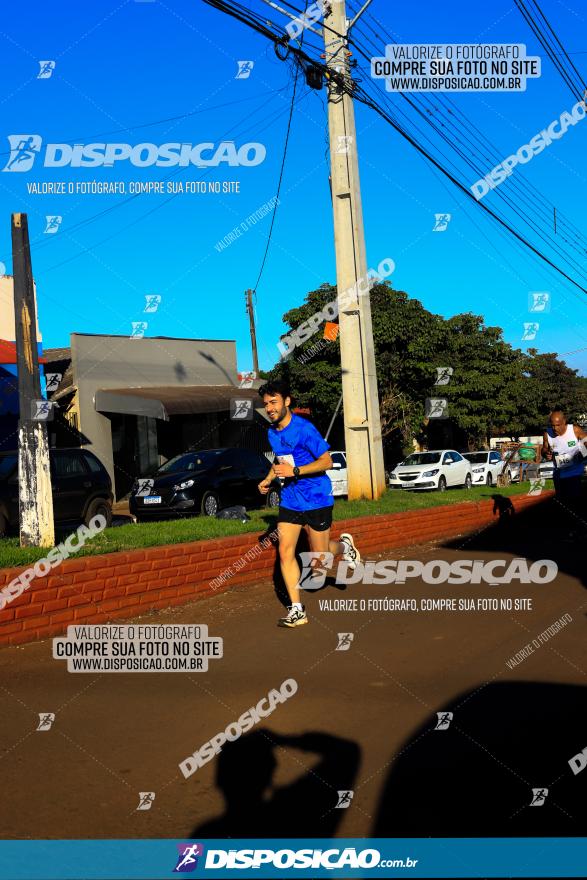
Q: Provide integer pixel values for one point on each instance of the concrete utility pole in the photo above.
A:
(35, 495)
(362, 425)
(251, 314)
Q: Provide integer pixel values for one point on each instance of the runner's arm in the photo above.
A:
(581, 435)
(263, 486)
(546, 450)
(322, 463)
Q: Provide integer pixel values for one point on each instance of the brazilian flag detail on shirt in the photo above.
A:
(298, 444)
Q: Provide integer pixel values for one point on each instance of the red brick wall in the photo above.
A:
(101, 588)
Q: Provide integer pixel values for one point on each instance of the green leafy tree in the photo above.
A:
(494, 388)
(550, 382)
(483, 393)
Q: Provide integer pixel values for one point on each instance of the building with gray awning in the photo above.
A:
(166, 401)
(137, 402)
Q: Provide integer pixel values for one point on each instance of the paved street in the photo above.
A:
(362, 719)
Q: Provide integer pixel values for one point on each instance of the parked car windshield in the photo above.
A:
(7, 463)
(476, 457)
(189, 461)
(423, 458)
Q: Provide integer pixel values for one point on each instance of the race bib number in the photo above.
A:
(286, 459)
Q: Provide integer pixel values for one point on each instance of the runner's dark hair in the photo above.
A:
(276, 386)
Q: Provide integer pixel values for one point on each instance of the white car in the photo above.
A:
(338, 474)
(437, 469)
(486, 466)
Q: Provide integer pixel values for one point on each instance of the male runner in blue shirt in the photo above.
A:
(301, 459)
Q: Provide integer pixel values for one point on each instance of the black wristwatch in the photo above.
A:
(296, 473)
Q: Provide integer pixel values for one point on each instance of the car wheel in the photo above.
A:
(210, 504)
(468, 481)
(3, 525)
(273, 498)
(489, 480)
(99, 507)
(442, 484)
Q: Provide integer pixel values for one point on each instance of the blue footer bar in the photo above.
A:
(352, 857)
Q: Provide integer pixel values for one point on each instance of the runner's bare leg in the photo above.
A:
(290, 570)
(320, 542)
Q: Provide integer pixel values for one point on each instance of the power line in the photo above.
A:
(285, 145)
(151, 210)
(503, 195)
(563, 50)
(360, 93)
(42, 242)
(364, 98)
(513, 182)
(569, 73)
(546, 45)
(252, 20)
(89, 137)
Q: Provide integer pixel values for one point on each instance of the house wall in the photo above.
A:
(122, 362)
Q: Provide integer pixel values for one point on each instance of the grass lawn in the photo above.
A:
(177, 531)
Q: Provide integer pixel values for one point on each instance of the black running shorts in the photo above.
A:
(319, 519)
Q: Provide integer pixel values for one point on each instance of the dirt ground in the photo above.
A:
(362, 720)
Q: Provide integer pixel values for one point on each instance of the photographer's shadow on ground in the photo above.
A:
(498, 768)
(547, 530)
(304, 808)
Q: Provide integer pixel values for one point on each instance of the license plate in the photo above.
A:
(152, 499)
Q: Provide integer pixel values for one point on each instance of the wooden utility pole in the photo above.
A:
(35, 495)
(362, 425)
(251, 314)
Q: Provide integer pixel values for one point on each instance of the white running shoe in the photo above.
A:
(295, 617)
(351, 554)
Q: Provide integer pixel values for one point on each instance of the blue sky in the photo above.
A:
(121, 65)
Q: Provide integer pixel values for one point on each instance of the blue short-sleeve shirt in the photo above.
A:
(298, 444)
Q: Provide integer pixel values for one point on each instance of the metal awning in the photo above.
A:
(165, 401)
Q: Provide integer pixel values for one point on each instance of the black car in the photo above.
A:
(81, 487)
(203, 482)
